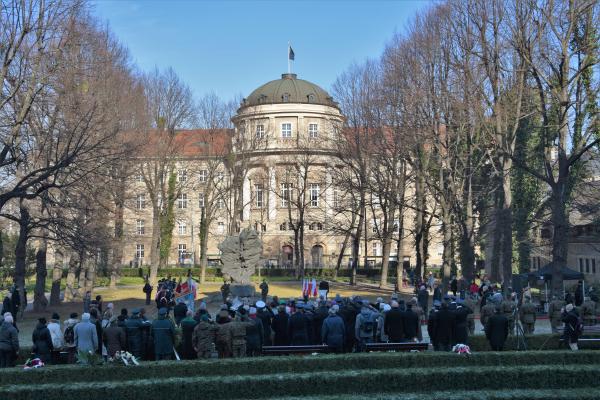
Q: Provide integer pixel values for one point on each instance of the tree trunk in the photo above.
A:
(40, 302)
(90, 276)
(506, 226)
(83, 266)
(400, 248)
(419, 224)
(21, 255)
(356, 242)
(447, 252)
(70, 291)
(57, 271)
(341, 255)
(155, 247)
(117, 259)
(560, 237)
(203, 247)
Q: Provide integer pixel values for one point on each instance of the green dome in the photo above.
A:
(289, 89)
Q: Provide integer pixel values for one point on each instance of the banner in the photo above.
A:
(187, 294)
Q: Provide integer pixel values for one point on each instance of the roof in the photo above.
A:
(289, 89)
(188, 142)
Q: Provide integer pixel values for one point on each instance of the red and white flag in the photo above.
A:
(314, 288)
(309, 287)
(304, 287)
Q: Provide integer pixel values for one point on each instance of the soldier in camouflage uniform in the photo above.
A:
(471, 303)
(203, 338)
(508, 307)
(223, 335)
(238, 336)
(487, 311)
(527, 315)
(588, 313)
(555, 313)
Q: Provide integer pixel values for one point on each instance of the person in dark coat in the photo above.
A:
(496, 330)
(333, 330)
(319, 316)
(114, 338)
(264, 290)
(9, 343)
(432, 324)
(280, 328)
(163, 333)
(411, 324)
(423, 298)
(266, 316)
(179, 312)
(148, 291)
(454, 286)
(444, 328)
(298, 327)
(579, 294)
(42, 341)
(461, 331)
(394, 323)
(187, 331)
(254, 334)
(573, 323)
(437, 292)
(147, 343)
(7, 304)
(133, 329)
(94, 319)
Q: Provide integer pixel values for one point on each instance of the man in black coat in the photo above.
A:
(496, 330)
(444, 328)
(411, 324)
(394, 323)
(298, 327)
(423, 297)
(266, 316)
(280, 327)
(461, 331)
(179, 312)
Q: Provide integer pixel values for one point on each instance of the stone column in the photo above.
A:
(272, 213)
(328, 192)
(246, 196)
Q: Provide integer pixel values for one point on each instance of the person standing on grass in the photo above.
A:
(148, 291)
(163, 333)
(86, 335)
(9, 342)
(573, 325)
(323, 289)
(264, 290)
(496, 329)
(42, 341)
(55, 332)
(203, 337)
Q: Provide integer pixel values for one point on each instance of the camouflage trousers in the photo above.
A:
(239, 348)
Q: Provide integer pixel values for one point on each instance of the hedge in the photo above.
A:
(529, 394)
(534, 342)
(268, 365)
(300, 384)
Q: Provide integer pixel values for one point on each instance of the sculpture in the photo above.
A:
(240, 255)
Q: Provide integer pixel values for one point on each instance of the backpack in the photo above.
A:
(367, 326)
(69, 335)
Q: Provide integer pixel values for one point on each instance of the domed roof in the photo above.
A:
(289, 89)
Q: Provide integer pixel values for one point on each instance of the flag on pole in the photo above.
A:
(309, 290)
(314, 287)
(291, 54)
(304, 287)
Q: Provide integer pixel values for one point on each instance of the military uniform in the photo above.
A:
(508, 307)
(555, 314)
(527, 315)
(224, 340)
(471, 303)
(238, 337)
(486, 312)
(420, 313)
(203, 338)
(588, 309)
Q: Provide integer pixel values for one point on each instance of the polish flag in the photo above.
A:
(314, 287)
(304, 287)
(309, 288)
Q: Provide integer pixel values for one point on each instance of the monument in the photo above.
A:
(240, 255)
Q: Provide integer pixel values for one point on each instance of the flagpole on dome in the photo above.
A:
(291, 57)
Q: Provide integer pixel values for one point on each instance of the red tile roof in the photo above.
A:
(187, 143)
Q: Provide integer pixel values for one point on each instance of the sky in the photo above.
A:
(232, 47)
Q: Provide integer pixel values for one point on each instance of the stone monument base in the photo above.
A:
(242, 291)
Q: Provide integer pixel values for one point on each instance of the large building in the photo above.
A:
(282, 152)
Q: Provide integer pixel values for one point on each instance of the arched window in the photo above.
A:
(285, 97)
(262, 99)
(317, 256)
(311, 98)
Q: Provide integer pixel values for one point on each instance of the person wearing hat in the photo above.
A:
(9, 342)
(133, 329)
(188, 324)
(333, 330)
(42, 341)
(461, 331)
(264, 290)
(573, 325)
(55, 332)
(298, 329)
(280, 327)
(223, 333)
(528, 315)
(443, 329)
(203, 337)
(86, 336)
(488, 309)
(114, 338)
(411, 322)
(508, 306)
(163, 334)
(496, 329)
(254, 334)
(423, 298)
(266, 317)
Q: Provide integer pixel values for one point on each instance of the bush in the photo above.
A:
(534, 342)
(267, 365)
(300, 384)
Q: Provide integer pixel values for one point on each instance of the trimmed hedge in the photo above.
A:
(267, 365)
(534, 342)
(301, 384)
(529, 394)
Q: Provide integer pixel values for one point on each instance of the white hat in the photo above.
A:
(386, 307)
(260, 304)
(569, 307)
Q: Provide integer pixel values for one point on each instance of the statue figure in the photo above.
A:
(240, 255)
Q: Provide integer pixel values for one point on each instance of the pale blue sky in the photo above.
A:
(232, 47)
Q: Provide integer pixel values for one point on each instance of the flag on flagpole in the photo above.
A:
(304, 287)
(309, 291)
(291, 54)
(314, 287)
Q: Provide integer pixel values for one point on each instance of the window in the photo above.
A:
(220, 203)
(182, 175)
(593, 265)
(262, 99)
(259, 193)
(319, 226)
(182, 250)
(139, 251)
(139, 178)
(313, 130)
(260, 227)
(203, 175)
(221, 227)
(286, 130)
(260, 131)
(315, 226)
(587, 265)
(182, 228)
(283, 227)
(140, 201)
(286, 194)
(311, 98)
(377, 249)
(220, 176)
(201, 200)
(139, 227)
(314, 191)
(581, 265)
(182, 201)
(285, 97)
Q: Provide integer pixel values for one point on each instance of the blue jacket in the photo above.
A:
(86, 336)
(163, 332)
(333, 331)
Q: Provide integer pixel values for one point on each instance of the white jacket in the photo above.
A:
(56, 335)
